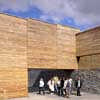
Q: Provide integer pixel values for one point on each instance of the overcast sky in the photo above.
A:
(82, 14)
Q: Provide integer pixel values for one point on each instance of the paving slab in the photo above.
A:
(34, 96)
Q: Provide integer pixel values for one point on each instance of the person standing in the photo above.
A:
(55, 78)
(67, 88)
(41, 86)
(78, 84)
(62, 86)
(51, 86)
(71, 82)
(59, 87)
(65, 84)
(49, 83)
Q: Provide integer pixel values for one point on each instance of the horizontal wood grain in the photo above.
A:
(32, 44)
(13, 81)
(51, 46)
(88, 42)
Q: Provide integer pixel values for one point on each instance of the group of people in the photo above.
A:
(60, 86)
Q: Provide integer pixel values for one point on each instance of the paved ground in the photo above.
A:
(85, 96)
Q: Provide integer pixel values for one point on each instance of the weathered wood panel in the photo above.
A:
(84, 43)
(89, 62)
(13, 56)
(51, 46)
(96, 61)
(41, 45)
(13, 42)
(32, 44)
(96, 42)
(66, 47)
(12, 24)
(88, 42)
(88, 48)
(14, 82)
(85, 62)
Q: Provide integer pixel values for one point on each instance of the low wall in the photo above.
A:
(91, 80)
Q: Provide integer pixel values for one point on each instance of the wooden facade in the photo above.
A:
(13, 56)
(88, 48)
(27, 43)
(51, 46)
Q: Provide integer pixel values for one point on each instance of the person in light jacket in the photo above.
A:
(41, 86)
(51, 86)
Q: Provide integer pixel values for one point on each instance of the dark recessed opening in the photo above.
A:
(78, 59)
(35, 74)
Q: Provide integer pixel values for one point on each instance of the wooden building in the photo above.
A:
(31, 44)
(51, 46)
(88, 49)
(28, 43)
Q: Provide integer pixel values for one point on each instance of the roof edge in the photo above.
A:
(92, 29)
(39, 20)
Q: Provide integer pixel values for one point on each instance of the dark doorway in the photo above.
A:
(78, 59)
(35, 74)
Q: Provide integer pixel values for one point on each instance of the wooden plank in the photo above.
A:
(13, 42)
(88, 42)
(13, 50)
(85, 62)
(66, 44)
(32, 44)
(41, 45)
(47, 44)
(96, 61)
(14, 81)
(12, 24)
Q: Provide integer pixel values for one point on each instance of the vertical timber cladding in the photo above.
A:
(13, 56)
(51, 46)
(88, 48)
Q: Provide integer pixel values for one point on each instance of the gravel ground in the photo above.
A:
(34, 96)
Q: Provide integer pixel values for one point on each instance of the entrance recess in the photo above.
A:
(35, 74)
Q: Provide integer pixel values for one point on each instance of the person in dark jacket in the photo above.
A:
(62, 85)
(78, 84)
